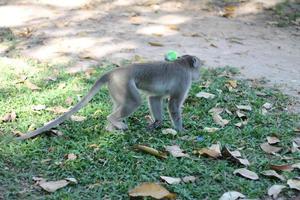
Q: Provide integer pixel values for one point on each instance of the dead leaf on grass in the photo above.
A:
(77, 118)
(71, 156)
(156, 44)
(272, 173)
(214, 151)
(205, 95)
(38, 107)
(241, 114)
(31, 86)
(69, 101)
(153, 190)
(216, 111)
(210, 130)
(9, 117)
(232, 83)
(269, 148)
(295, 147)
(267, 106)
(151, 151)
(232, 195)
(282, 167)
(58, 109)
(169, 131)
(56, 132)
(272, 139)
(246, 173)
(52, 186)
(175, 151)
(189, 179)
(244, 107)
(235, 156)
(275, 190)
(171, 180)
(294, 183)
(296, 165)
(241, 124)
(220, 121)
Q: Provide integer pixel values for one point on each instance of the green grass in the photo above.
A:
(116, 168)
(287, 13)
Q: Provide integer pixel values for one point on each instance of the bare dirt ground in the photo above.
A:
(81, 33)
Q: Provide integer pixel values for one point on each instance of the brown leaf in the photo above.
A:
(210, 130)
(294, 183)
(135, 20)
(216, 111)
(246, 173)
(272, 140)
(153, 190)
(189, 179)
(267, 106)
(240, 114)
(229, 11)
(233, 83)
(269, 149)
(52, 186)
(176, 151)
(9, 117)
(244, 107)
(272, 173)
(170, 180)
(151, 151)
(71, 156)
(38, 107)
(69, 101)
(56, 132)
(169, 131)
(173, 27)
(155, 44)
(232, 195)
(77, 118)
(214, 151)
(205, 95)
(220, 121)
(58, 109)
(274, 190)
(31, 86)
(282, 167)
(235, 156)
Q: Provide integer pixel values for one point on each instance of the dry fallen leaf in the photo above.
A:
(38, 107)
(244, 107)
(176, 151)
(31, 86)
(210, 130)
(272, 173)
(169, 131)
(294, 183)
(135, 20)
(205, 95)
(151, 151)
(173, 27)
(71, 156)
(155, 44)
(220, 121)
(274, 190)
(58, 109)
(240, 114)
(267, 106)
(77, 118)
(295, 146)
(232, 195)
(246, 173)
(241, 124)
(269, 148)
(69, 101)
(272, 140)
(282, 167)
(233, 83)
(216, 111)
(153, 190)
(296, 165)
(171, 180)
(61, 86)
(229, 11)
(52, 186)
(9, 117)
(235, 156)
(56, 132)
(189, 179)
(213, 151)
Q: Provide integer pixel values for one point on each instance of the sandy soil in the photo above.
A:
(81, 33)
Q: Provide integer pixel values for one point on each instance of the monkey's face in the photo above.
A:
(196, 63)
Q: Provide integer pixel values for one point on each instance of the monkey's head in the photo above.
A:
(194, 65)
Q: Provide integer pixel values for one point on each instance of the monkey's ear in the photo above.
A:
(196, 62)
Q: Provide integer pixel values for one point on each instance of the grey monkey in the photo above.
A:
(158, 80)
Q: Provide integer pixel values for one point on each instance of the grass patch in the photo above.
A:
(113, 169)
(287, 13)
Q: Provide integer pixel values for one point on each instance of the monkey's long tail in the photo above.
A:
(93, 91)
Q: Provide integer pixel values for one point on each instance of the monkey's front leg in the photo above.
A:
(155, 105)
(174, 106)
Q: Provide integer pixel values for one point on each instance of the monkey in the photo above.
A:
(158, 80)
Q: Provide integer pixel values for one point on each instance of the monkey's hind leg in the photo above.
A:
(126, 101)
(155, 105)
